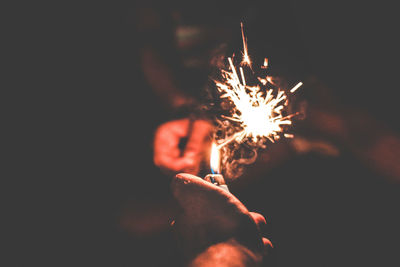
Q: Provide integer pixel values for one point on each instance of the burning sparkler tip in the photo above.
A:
(259, 113)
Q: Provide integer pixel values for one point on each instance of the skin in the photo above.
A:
(167, 154)
(215, 227)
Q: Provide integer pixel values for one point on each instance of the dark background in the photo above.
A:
(83, 118)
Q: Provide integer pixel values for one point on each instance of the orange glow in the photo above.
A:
(215, 159)
(259, 112)
(258, 109)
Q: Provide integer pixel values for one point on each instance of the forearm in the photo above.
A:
(230, 253)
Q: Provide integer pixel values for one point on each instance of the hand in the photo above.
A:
(168, 155)
(215, 228)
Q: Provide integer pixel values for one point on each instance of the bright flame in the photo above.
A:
(215, 159)
(258, 110)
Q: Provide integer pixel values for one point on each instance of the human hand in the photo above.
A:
(168, 155)
(215, 228)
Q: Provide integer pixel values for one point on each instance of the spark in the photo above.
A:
(265, 65)
(296, 87)
(246, 59)
(259, 110)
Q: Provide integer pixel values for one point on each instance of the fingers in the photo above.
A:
(166, 145)
(258, 219)
(167, 154)
(267, 243)
(167, 136)
(268, 246)
(198, 141)
(200, 135)
(261, 222)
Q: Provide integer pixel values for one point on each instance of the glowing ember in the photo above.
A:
(258, 110)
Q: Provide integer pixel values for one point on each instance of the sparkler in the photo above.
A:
(259, 111)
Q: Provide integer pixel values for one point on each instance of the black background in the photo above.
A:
(80, 120)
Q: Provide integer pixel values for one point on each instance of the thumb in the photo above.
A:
(211, 213)
(202, 201)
